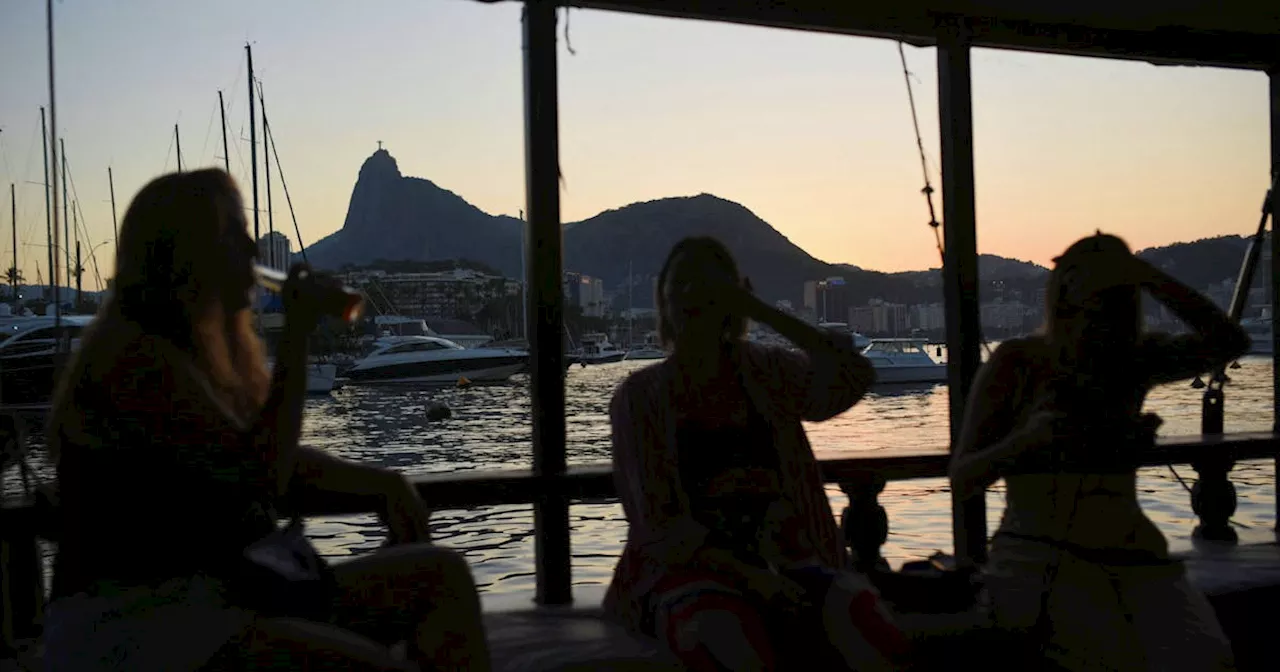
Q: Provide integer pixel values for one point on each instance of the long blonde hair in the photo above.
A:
(183, 274)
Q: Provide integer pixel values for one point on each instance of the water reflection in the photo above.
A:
(490, 429)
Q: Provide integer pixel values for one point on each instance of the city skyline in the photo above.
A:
(810, 132)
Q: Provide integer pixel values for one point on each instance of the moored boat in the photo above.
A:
(432, 360)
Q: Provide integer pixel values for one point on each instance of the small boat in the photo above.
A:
(433, 360)
(596, 349)
(29, 359)
(647, 351)
(904, 360)
(321, 378)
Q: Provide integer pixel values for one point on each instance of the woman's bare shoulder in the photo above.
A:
(1016, 357)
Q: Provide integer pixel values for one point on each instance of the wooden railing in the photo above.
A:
(862, 478)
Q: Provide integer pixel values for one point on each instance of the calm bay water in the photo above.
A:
(490, 429)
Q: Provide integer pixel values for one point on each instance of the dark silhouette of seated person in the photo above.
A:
(175, 450)
(1076, 568)
(733, 556)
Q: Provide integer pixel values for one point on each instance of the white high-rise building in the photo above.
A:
(275, 251)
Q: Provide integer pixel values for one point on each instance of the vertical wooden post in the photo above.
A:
(546, 303)
(1274, 77)
(960, 267)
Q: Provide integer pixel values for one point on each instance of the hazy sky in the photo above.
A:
(811, 132)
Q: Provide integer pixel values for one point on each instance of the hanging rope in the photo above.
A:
(924, 164)
(567, 43)
(81, 227)
(270, 139)
(928, 187)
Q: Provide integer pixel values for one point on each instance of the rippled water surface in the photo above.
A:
(490, 428)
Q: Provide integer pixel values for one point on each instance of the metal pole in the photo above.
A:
(177, 143)
(226, 155)
(66, 212)
(54, 272)
(253, 145)
(79, 273)
(524, 278)
(546, 304)
(266, 161)
(13, 279)
(960, 269)
(115, 225)
(48, 207)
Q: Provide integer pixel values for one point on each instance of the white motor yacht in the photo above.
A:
(904, 360)
(434, 360)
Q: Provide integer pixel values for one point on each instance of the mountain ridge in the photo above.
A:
(393, 217)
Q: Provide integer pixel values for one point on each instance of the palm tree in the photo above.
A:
(14, 276)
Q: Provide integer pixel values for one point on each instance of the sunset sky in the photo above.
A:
(811, 132)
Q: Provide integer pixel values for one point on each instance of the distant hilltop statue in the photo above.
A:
(393, 217)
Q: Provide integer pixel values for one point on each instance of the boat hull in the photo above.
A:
(321, 378)
(644, 354)
(440, 372)
(911, 374)
(607, 358)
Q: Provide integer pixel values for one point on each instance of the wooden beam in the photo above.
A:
(1274, 204)
(1230, 34)
(546, 298)
(595, 482)
(960, 269)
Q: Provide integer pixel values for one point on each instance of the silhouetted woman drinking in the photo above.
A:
(1076, 566)
(733, 555)
(175, 446)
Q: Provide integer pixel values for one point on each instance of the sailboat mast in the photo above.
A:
(253, 146)
(177, 143)
(66, 211)
(48, 207)
(115, 225)
(13, 277)
(75, 228)
(53, 174)
(631, 310)
(226, 156)
(266, 161)
(79, 272)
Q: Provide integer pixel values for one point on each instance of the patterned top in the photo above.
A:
(157, 479)
(729, 474)
(786, 388)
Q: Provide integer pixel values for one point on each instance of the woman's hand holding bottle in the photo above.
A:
(302, 312)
